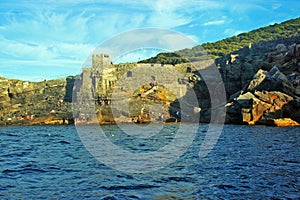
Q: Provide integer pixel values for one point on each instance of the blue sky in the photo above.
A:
(50, 39)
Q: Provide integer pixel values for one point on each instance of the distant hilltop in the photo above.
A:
(261, 76)
(226, 46)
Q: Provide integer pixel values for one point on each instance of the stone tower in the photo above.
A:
(85, 77)
(100, 62)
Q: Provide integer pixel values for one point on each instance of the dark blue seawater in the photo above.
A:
(248, 162)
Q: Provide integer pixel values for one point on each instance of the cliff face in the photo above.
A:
(263, 83)
(239, 67)
(23, 102)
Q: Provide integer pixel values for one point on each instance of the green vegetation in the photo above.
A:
(166, 58)
(220, 48)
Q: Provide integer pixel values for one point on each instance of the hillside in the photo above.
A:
(221, 48)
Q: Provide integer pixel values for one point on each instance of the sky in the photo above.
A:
(50, 39)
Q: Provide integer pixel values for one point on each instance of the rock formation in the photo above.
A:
(262, 83)
(23, 102)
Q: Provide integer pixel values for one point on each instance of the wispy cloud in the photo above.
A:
(216, 22)
(248, 6)
(232, 32)
(56, 37)
(275, 6)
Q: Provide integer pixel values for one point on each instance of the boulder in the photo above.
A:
(297, 51)
(273, 80)
(285, 122)
(257, 80)
(297, 90)
(292, 110)
(248, 70)
(259, 107)
(280, 48)
(245, 100)
(274, 97)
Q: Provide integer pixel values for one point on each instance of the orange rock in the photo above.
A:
(286, 122)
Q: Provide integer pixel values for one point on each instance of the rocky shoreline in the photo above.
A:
(262, 83)
(282, 122)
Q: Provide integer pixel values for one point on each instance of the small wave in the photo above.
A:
(16, 154)
(128, 187)
(11, 134)
(109, 198)
(125, 176)
(24, 169)
(119, 196)
(291, 161)
(178, 179)
(225, 187)
(6, 171)
(64, 142)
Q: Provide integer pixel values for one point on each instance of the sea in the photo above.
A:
(54, 162)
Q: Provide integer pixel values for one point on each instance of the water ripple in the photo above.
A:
(248, 162)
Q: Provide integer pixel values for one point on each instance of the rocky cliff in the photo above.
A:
(262, 83)
(46, 102)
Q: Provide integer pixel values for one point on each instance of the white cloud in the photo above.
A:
(215, 22)
(43, 51)
(246, 7)
(137, 55)
(275, 6)
(167, 14)
(194, 38)
(145, 38)
(232, 32)
(64, 32)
